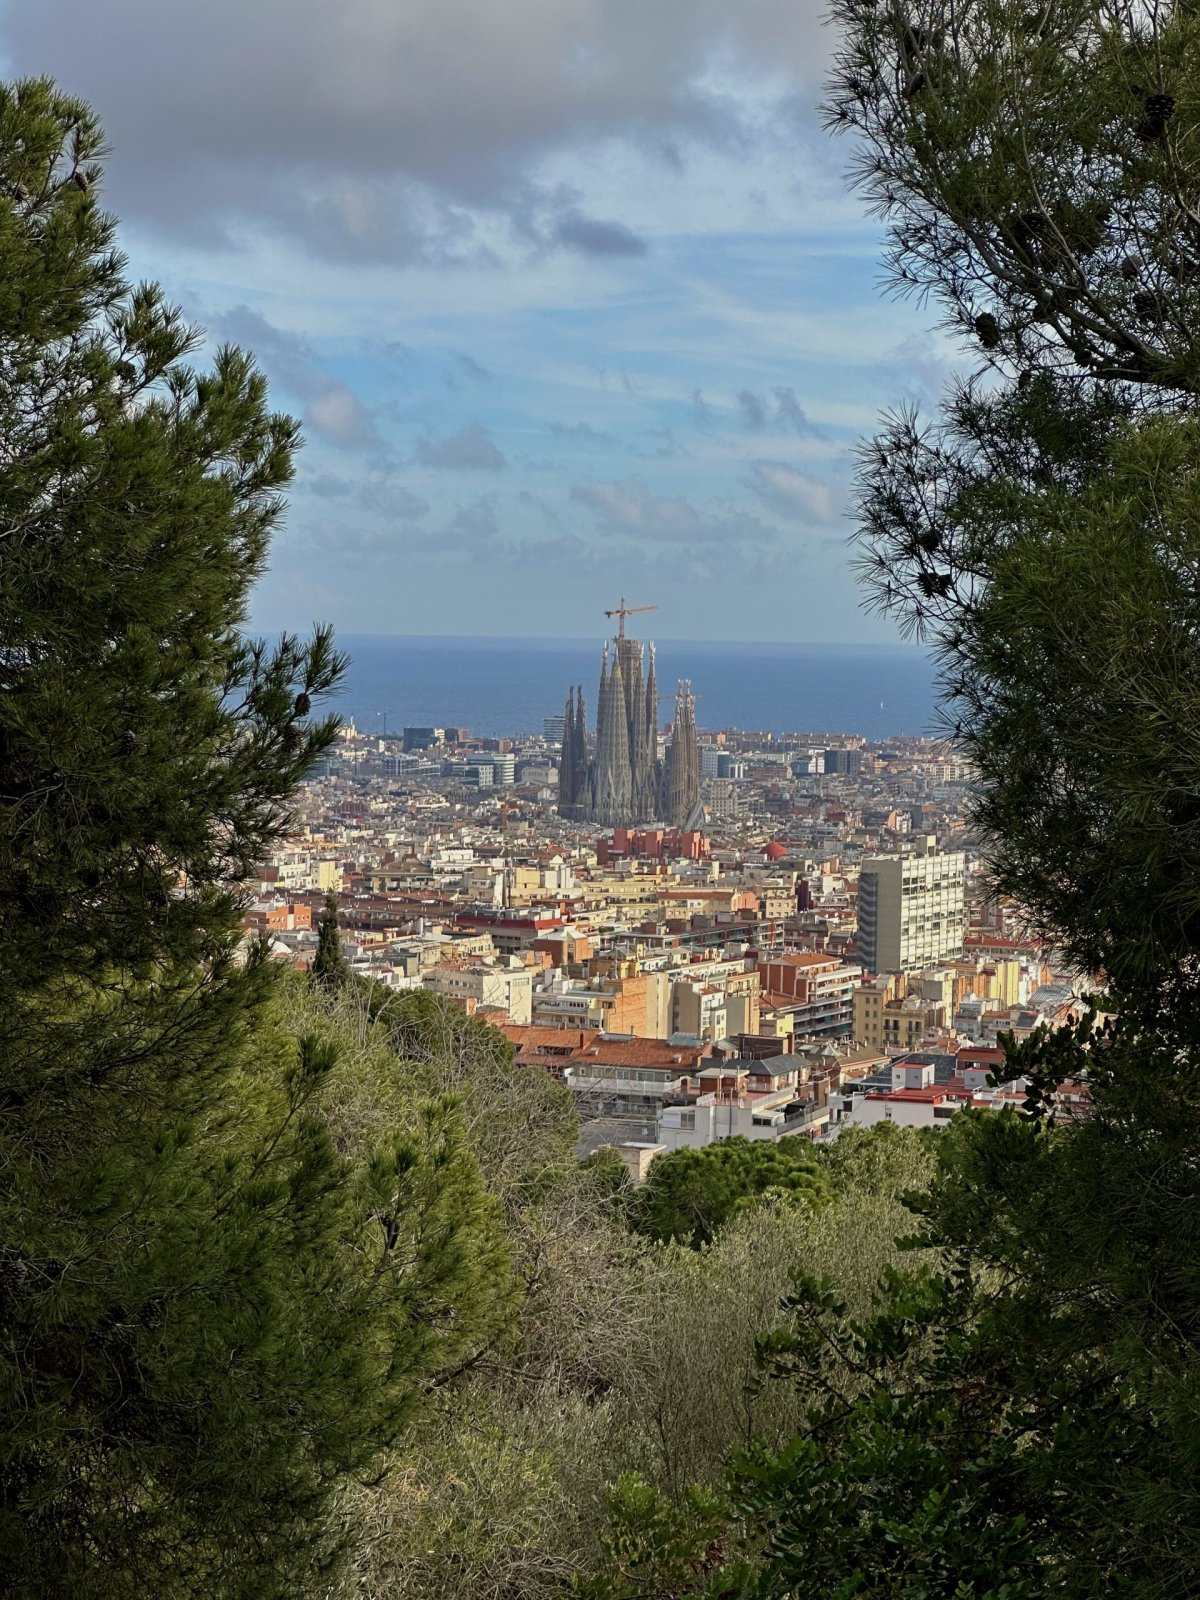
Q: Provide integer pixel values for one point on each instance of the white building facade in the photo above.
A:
(911, 911)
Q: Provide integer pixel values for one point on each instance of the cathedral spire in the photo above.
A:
(681, 773)
(566, 761)
(611, 781)
(653, 774)
(579, 761)
(623, 781)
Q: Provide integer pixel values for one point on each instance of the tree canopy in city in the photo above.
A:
(689, 1193)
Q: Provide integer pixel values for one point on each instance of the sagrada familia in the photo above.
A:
(623, 781)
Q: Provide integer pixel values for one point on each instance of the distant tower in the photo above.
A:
(624, 782)
(610, 770)
(573, 758)
(681, 771)
(652, 770)
(566, 763)
(579, 751)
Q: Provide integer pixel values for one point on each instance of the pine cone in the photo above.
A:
(80, 180)
(1027, 229)
(1156, 113)
(303, 705)
(933, 584)
(988, 330)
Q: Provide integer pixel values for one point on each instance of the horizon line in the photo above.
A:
(588, 639)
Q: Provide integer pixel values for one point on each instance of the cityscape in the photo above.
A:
(599, 821)
(699, 932)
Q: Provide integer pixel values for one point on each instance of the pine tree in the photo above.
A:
(690, 1193)
(329, 968)
(209, 1308)
(1038, 175)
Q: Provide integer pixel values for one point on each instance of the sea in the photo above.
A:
(497, 687)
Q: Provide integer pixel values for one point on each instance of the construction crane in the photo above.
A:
(624, 611)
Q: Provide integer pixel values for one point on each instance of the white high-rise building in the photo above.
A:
(910, 911)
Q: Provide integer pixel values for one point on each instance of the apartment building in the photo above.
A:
(911, 911)
(815, 990)
(502, 988)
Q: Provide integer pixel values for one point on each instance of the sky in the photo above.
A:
(570, 295)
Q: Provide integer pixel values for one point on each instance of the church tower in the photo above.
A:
(624, 782)
(681, 771)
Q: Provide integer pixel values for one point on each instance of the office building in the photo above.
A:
(848, 762)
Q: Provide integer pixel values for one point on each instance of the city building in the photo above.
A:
(622, 781)
(614, 1077)
(500, 989)
(845, 761)
(815, 991)
(740, 1099)
(911, 911)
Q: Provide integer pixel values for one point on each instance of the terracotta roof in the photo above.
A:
(937, 1096)
(779, 1002)
(643, 1053)
(531, 1038)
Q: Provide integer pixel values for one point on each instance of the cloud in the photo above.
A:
(793, 413)
(702, 412)
(471, 368)
(331, 410)
(377, 495)
(472, 528)
(584, 433)
(754, 409)
(629, 508)
(791, 493)
(927, 366)
(378, 130)
(476, 530)
(471, 449)
(591, 237)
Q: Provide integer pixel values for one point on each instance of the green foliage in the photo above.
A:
(688, 1194)
(914, 1474)
(883, 1162)
(499, 1488)
(1074, 667)
(1038, 179)
(212, 1304)
(491, 1496)
(329, 968)
(520, 1121)
(1018, 1419)
(659, 1549)
(1038, 173)
(147, 747)
(607, 1171)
